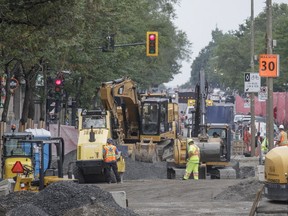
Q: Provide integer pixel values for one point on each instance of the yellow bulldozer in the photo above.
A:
(147, 123)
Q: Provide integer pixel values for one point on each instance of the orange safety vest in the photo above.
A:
(110, 153)
(283, 139)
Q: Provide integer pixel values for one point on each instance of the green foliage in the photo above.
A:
(228, 56)
(69, 35)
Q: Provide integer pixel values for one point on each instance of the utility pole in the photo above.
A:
(269, 111)
(252, 95)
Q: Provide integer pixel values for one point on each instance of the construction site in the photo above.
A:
(147, 192)
(44, 174)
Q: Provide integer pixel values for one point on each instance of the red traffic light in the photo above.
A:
(58, 82)
(152, 37)
(151, 43)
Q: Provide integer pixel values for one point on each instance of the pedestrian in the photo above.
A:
(282, 137)
(247, 140)
(110, 161)
(193, 160)
(258, 141)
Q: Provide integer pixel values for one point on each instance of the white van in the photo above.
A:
(188, 115)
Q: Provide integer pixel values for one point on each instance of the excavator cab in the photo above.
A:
(154, 118)
(158, 129)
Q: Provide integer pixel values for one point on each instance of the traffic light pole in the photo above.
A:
(58, 103)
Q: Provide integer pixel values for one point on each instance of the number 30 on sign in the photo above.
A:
(269, 65)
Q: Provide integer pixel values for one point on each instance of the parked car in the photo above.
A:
(230, 99)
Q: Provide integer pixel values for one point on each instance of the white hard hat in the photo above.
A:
(190, 141)
(281, 127)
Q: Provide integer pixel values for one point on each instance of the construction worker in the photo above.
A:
(247, 140)
(110, 161)
(282, 137)
(193, 160)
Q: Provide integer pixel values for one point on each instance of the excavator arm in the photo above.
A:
(121, 99)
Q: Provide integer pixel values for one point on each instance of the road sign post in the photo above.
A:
(252, 82)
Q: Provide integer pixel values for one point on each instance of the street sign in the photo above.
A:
(13, 84)
(252, 82)
(263, 93)
(269, 65)
(247, 103)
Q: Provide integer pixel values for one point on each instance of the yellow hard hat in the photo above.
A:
(190, 141)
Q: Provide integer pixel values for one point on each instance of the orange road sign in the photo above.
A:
(269, 65)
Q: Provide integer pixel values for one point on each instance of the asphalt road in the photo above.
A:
(176, 197)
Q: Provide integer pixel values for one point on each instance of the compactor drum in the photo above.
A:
(276, 174)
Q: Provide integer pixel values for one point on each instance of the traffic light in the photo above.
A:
(152, 44)
(58, 88)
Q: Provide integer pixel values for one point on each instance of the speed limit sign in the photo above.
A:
(269, 65)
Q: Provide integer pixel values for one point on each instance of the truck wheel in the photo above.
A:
(78, 175)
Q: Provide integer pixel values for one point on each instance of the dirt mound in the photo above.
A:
(62, 197)
(244, 191)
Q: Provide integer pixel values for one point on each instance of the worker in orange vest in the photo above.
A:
(110, 161)
(282, 137)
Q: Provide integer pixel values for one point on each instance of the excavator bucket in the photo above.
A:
(146, 152)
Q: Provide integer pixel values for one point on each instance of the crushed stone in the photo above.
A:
(61, 197)
(244, 191)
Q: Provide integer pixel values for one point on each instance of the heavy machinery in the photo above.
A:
(27, 159)
(147, 123)
(94, 126)
(26, 178)
(15, 151)
(276, 174)
(215, 151)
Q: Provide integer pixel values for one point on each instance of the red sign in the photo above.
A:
(17, 168)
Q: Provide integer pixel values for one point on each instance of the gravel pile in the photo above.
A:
(141, 170)
(63, 198)
(244, 191)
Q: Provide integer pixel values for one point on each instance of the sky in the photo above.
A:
(198, 18)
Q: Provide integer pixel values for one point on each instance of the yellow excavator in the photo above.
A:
(213, 138)
(146, 123)
(276, 174)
